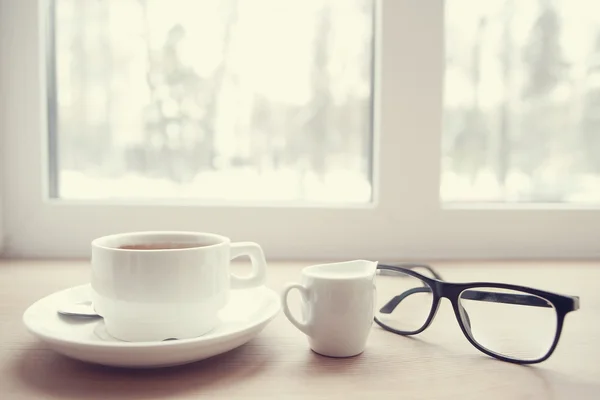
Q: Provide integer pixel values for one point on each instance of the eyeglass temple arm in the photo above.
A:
(432, 271)
(478, 295)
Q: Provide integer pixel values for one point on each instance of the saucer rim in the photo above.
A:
(274, 304)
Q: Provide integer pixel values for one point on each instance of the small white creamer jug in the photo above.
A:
(338, 301)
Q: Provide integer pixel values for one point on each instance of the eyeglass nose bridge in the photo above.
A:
(449, 290)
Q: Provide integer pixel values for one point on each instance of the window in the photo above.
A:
(224, 100)
(522, 102)
(414, 130)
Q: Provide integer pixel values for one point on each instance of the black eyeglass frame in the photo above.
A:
(441, 289)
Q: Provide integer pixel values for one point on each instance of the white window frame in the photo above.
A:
(405, 221)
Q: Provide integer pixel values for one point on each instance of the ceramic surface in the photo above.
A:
(247, 312)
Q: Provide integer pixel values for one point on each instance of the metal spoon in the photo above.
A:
(81, 309)
(84, 309)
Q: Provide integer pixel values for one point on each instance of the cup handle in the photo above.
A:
(303, 326)
(259, 265)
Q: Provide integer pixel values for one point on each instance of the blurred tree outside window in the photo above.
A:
(522, 101)
(271, 100)
(264, 100)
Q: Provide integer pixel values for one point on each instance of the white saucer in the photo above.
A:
(247, 313)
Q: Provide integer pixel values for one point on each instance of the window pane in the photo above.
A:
(522, 101)
(227, 99)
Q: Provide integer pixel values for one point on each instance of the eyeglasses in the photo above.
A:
(509, 322)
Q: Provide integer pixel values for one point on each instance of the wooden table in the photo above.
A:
(438, 364)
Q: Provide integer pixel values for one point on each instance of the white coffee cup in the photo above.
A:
(151, 286)
(338, 301)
